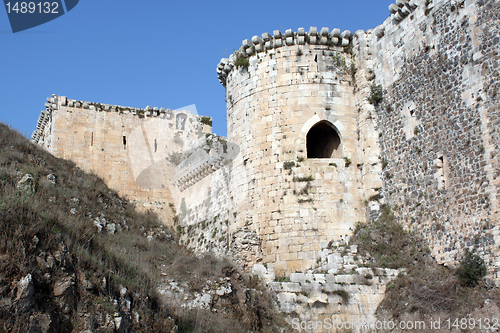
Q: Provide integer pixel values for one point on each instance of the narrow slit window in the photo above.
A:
(156, 146)
(442, 178)
(440, 172)
(124, 142)
(92, 139)
(180, 121)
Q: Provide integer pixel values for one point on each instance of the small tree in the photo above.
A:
(472, 269)
(375, 94)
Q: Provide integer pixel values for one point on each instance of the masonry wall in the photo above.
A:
(429, 149)
(131, 149)
(438, 122)
(292, 204)
(203, 202)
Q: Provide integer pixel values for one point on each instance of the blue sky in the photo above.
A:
(150, 52)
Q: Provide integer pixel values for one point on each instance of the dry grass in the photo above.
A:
(58, 221)
(426, 287)
(386, 242)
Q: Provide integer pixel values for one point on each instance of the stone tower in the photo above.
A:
(291, 110)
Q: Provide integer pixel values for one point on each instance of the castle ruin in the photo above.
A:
(324, 127)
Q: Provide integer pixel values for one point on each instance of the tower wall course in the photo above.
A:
(272, 104)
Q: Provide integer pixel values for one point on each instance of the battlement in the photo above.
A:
(207, 159)
(55, 102)
(401, 9)
(323, 37)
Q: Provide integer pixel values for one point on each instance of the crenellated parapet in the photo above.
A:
(195, 170)
(43, 121)
(55, 102)
(402, 8)
(399, 11)
(277, 40)
(204, 161)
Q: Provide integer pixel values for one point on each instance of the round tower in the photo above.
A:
(295, 186)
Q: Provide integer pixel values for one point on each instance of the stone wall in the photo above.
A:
(275, 202)
(438, 121)
(203, 211)
(278, 88)
(203, 202)
(130, 148)
(339, 293)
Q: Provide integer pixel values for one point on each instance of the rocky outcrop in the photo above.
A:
(76, 257)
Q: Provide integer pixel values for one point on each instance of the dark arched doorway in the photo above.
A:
(323, 141)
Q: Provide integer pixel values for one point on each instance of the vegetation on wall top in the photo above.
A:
(242, 62)
(206, 121)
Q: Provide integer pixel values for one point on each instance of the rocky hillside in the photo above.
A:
(75, 257)
(425, 291)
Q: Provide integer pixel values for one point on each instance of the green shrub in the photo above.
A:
(303, 179)
(348, 49)
(288, 165)
(385, 240)
(339, 60)
(472, 269)
(206, 121)
(375, 94)
(384, 163)
(282, 279)
(242, 62)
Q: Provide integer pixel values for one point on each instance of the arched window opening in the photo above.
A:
(323, 141)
